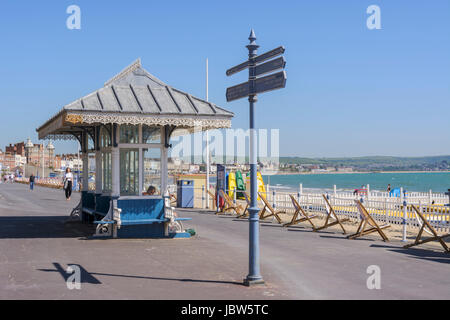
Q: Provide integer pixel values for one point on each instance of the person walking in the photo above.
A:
(68, 180)
(31, 182)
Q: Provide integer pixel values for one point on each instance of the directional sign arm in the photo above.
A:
(270, 66)
(238, 68)
(258, 59)
(269, 54)
(271, 82)
(237, 92)
(268, 83)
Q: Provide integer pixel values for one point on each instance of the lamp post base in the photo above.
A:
(253, 282)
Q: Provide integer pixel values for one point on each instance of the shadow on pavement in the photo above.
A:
(299, 229)
(89, 277)
(344, 237)
(30, 227)
(85, 276)
(424, 254)
(271, 225)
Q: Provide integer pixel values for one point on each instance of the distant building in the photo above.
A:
(194, 168)
(34, 154)
(345, 169)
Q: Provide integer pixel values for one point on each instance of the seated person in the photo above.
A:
(151, 191)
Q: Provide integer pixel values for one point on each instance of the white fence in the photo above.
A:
(382, 207)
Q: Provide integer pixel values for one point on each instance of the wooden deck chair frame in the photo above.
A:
(213, 198)
(270, 209)
(367, 220)
(299, 211)
(332, 215)
(245, 213)
(173, 199)
(435, 237)
(229, 204)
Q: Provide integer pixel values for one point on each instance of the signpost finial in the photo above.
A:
(252, 36)
(252, 47)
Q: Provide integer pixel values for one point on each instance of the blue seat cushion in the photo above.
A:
(149, 210)
(141, 221)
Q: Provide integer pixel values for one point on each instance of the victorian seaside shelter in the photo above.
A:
(127, 125)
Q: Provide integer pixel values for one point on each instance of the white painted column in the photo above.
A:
(115, 168)
(141, 171)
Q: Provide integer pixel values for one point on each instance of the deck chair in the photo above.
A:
(299, 211)
(426, 224)
(332, 216)
(230, 205)
(367, 220)
(213, 196)
(268, 208)
(245, 214)
(173, 199)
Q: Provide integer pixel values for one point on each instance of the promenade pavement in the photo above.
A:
(37, 245)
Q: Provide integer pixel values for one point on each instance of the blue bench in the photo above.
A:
(88, 202)
(102, 205)
(94, 205)
(138, 216)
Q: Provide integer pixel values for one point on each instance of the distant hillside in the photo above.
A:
(378, 163)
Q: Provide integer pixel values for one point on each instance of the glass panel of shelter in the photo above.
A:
(129, 134)
(106, 172)
(129, 172)
(151, 134)
(140, 166)
(152, 171)
(105, 147)
(91, 163)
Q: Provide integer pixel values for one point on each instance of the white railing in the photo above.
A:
(382, 207)
(384, 210)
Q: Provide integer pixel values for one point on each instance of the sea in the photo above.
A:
(413, 182)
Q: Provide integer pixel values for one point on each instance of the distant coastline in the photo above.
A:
(354, 172)
(417, 181)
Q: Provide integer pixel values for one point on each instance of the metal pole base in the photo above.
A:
(249, 282)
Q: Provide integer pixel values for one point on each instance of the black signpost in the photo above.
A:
(250, 89)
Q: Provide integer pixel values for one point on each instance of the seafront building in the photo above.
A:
(28, 157)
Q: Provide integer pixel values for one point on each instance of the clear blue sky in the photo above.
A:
(350, 91)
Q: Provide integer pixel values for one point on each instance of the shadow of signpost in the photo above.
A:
(89, 277)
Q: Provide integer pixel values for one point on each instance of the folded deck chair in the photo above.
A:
(367, 220)
(268, 208)
(303, 214)
(173, 199)
(230, 205)
(213, 196)
(331, 215)
(245, 214)
(427, 225)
